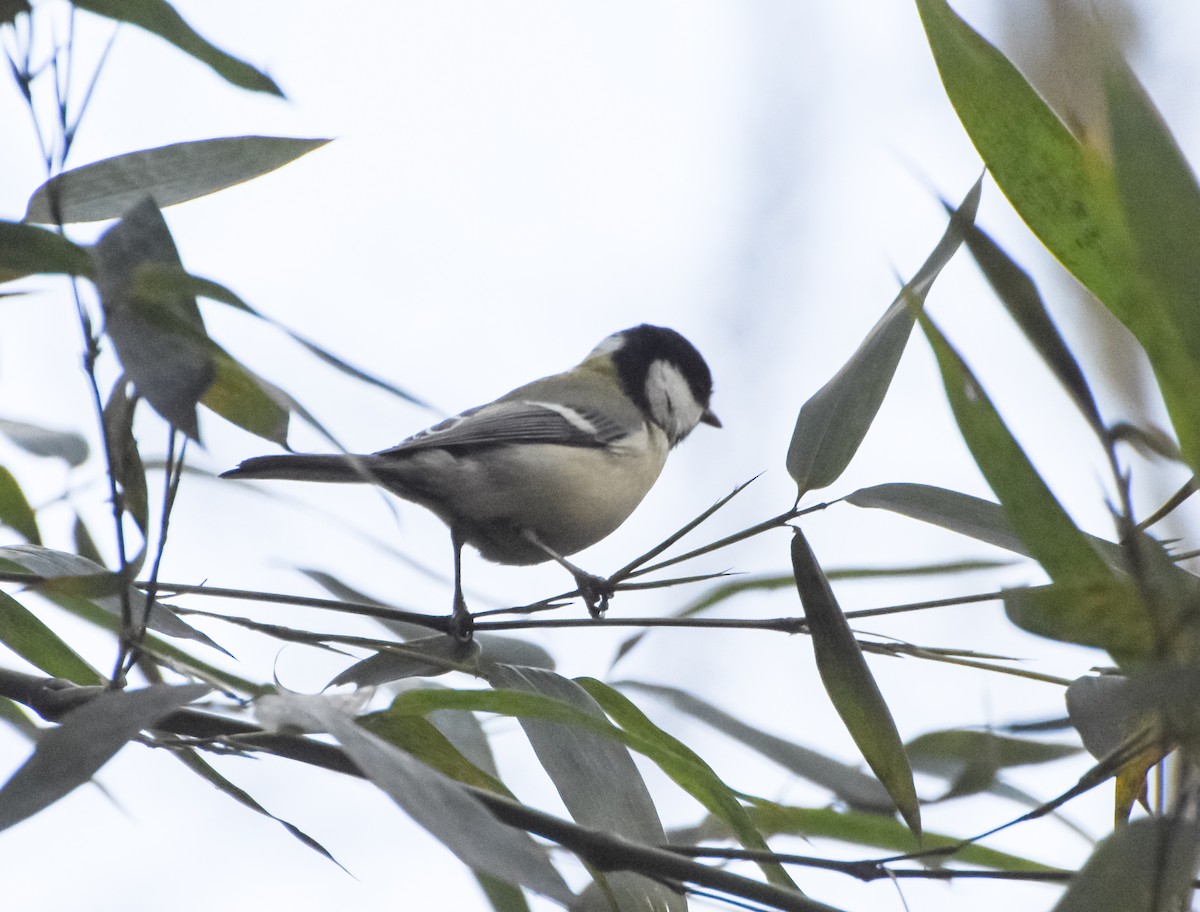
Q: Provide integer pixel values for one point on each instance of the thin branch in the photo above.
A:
(662, 546)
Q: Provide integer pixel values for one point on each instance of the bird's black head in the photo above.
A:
(663, 373)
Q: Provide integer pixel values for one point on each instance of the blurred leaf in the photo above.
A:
(1024, 304)
(1064, 552)
(171, 279)
(125, 462)
(160, 340)
(503, 897)
(1129, 785)
(435, 801)
(159, 18)
(983, 520)
(61, 570)
(1161, 200)
(17, 716)
(850, 685)
(430, 655)
(421, 738)
(15, 511)
(688, 771)
(1061, 188)
(42, 441)
(85, 545)
(1103, 713)
(170, 174)
(26, 250)
(1146, 866)
(858, 828)
(1107, 614)
(595, 776)
(243, 398)
(68, 756)
(591, 729)
(971, 759)
(833, 422)
(858, 790)
(1116, 218)
(25, 634)
(197, 764)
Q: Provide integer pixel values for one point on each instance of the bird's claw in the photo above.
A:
(595, 592)
(462, 622)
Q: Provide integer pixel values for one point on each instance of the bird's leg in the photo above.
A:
(462, 624)
(594, 590)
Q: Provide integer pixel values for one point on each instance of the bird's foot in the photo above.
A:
(595, 592)
(462, 622)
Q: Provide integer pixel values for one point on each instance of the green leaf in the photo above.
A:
(23, 633)
(1161, 200)
(243, 398)
(202, 768)
(159, 18)
(421, 738)
(431, 655)
(169, 174)
(125, 462)
(983, 520)
(863, 829)
(833, 422)
(858, 790)
(26, 250)
(594, 775)
(41, 441)
(1039, 520)
(851, 686)
(15, 511)
(169, 279)
(971, 759)
(1062, 189)
(1145, 866)
(675, 759)
(1024, 304)
(688, 771)
(68, 756)
(160, 340)
(70, 578)
(435, 801)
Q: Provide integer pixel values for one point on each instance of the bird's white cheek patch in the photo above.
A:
(672, 404)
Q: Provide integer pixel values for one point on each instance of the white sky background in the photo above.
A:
(511, 182)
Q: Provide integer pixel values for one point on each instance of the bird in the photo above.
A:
(546, 470)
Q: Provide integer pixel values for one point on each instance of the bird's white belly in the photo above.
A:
(570, 497)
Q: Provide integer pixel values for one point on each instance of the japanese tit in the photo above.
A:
(545, 470)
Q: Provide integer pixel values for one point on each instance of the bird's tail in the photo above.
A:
(317, 467)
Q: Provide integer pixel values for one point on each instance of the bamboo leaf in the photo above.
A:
(15, 511)
(160, 340)
(169, 174)
(159, 18)
(1024, 304)
(1145, 866)
(68, 756)
(25, 634)
(851, 686)
(68, 446)
(26, 250)
(1039, 520)
(833, 422)
(438, 803)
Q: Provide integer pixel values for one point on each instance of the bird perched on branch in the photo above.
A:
(546, 470)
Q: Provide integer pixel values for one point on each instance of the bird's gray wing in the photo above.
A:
(517, 421)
